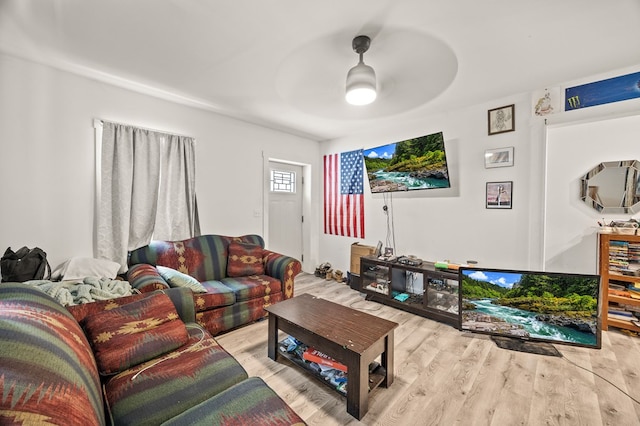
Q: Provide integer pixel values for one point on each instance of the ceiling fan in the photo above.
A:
(361, 79)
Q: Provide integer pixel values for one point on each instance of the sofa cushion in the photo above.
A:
(160, 389)
(182, 299)
(80, 312)
(134, 333)
(178, 279)
(223, 319)
(48, 374)
(250, 402)
(203, 257)
(217, 295)
(253, 286)
(244, 260)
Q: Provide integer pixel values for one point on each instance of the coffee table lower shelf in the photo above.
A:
(377, 373)
(355, 339)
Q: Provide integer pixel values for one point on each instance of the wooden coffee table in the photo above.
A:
(352, 337)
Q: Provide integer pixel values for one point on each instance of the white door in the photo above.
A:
(285, 209)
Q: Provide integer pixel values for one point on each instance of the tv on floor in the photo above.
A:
(529, 306)
(412, 164)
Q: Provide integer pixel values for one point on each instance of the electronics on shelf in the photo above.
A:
(410, 260)
(405, 260)
(391, 258)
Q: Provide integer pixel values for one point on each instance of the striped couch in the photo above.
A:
(137, 360)
(239, 285)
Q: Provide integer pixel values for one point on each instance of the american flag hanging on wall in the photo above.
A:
(343, 194)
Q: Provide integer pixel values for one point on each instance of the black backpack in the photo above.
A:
(24, 265)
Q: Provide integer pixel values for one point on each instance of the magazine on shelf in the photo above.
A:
(319, 358)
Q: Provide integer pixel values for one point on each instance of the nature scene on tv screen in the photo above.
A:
(418, 163)
(562, 308)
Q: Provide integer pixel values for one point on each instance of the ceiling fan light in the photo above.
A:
(359, 97)
(361, 85)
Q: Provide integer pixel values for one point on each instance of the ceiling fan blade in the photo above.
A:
(376, 22)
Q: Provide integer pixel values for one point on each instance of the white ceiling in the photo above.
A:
(283, 63)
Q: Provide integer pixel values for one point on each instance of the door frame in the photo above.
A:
(306, 206)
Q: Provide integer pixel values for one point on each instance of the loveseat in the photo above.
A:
(138, 359)
(237, 276)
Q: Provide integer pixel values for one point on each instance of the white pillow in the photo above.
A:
(179, 279)
(78, 268)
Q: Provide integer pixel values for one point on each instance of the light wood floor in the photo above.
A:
(446, 377)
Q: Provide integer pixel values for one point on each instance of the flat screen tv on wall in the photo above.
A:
(518, 307)
(412, 164)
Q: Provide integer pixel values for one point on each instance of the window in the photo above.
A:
(283, 181)
(146, 189)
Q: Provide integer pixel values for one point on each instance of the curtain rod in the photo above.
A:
(98, 122)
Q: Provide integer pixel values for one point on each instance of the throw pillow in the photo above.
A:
(244, 260)
(134, 333)
(178, 279)
(145, 277)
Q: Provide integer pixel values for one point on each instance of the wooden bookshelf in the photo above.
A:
(614, 267)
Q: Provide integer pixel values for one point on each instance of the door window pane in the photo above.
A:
(283, 181)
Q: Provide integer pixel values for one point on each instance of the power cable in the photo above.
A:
(388, 211)
(603, 378)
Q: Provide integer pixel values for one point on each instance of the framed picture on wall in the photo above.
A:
(499, 157)
(501, 119)
(499, 195)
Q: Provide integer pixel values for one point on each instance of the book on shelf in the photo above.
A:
(631, 308)
(620, 312)
(620, 317)
(634, 287)
(613, 286)
(313, 355)
(621, 293)
(618, 243)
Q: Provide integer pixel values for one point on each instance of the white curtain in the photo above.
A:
(147, 190)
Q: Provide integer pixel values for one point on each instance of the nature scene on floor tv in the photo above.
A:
(418, 163)
(553, 307)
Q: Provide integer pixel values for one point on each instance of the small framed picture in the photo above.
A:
(499, 195)
(546, 102)
(499, 157)
(502, 120)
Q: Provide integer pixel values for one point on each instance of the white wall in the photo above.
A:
(572, 150)
(47, 163)
(454, 223)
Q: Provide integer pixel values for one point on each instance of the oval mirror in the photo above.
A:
(613, 187)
